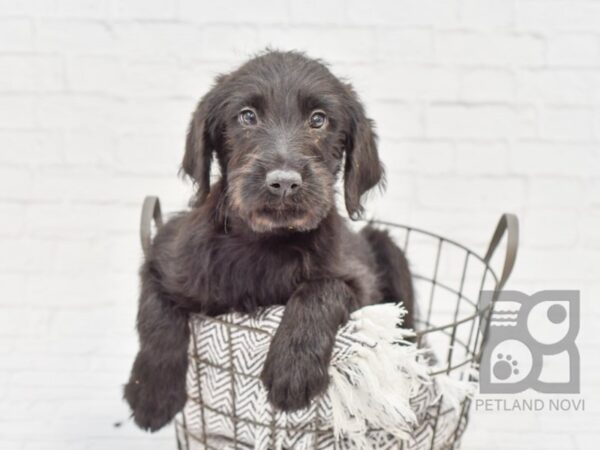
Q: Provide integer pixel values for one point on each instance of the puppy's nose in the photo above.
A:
(283, 182)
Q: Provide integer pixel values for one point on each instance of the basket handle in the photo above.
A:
(509, 225)
(150, 211)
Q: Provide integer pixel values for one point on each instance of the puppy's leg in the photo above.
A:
(394, 275)
(296, 368)
(156, 389)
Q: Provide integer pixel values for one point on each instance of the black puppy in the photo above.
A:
(267, 233)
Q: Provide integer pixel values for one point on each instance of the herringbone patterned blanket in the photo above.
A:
(380, 395)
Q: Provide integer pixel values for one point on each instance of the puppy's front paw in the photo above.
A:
(154, 401)
(293, 380)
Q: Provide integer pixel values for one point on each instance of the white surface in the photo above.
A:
(483, 106)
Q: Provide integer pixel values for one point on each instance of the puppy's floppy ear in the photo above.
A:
(203, 138)
(363, 169)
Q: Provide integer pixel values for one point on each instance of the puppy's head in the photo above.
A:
(279, 127)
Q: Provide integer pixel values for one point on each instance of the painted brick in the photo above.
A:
(558, 86)
(470, 48)
(146, 9)
(58, 35)
(405, 45)
(560, 15)
(413, 83)
(237, 11)
(487, 85)
(31, 73)
(16, 34)
(486, 14)
(403, 12)
(551, 158)
(479, 121)
(356, 44)
(574, 50)
(568, 124)
(317, 12)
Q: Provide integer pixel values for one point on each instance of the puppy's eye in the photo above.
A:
(317, 119)
(248, 117)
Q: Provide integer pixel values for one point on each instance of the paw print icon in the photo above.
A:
(505, 367)
(531, 343)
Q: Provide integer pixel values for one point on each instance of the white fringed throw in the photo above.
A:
(379, 396)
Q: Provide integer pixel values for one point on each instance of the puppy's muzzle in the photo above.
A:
(283, 182)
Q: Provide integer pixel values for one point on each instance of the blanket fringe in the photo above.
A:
(372, 388)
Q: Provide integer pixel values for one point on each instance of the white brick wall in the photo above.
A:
(483, 106)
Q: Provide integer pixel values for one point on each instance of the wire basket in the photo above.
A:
(451, 321)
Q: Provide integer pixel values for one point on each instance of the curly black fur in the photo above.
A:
(241, 247)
